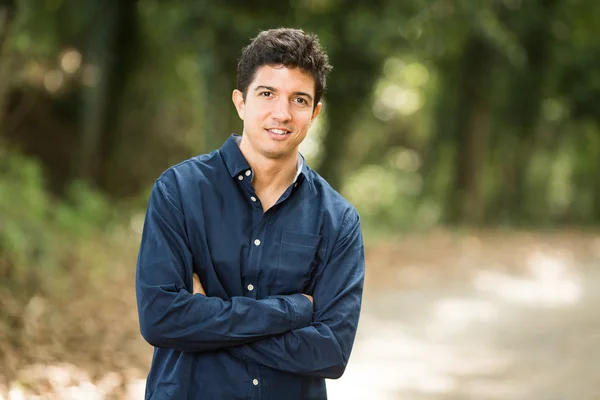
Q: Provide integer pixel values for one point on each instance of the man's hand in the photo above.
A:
(198, 289)
(308, 296)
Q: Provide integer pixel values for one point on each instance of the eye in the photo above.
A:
(265, 94)
(302, 101)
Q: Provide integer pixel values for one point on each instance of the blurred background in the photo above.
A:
(466, 133)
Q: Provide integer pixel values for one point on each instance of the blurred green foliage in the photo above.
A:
(437, 111)
(38, 231)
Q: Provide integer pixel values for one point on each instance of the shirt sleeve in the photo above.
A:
(171, 316)
(323, 348)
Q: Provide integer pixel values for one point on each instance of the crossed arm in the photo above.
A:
(199, 289)
(293, 333)
(323, 347)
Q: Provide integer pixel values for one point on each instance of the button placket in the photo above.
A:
(255, 256)
(248, 189)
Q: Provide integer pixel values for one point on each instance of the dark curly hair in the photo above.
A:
(284, 46)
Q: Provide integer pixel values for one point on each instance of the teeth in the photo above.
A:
(278, 131)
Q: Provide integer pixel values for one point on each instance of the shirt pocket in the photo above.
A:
(298, 257)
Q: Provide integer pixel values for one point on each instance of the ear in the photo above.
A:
(316, 112)
(238, 101)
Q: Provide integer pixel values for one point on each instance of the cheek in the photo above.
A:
(255, 114)
(305, 122)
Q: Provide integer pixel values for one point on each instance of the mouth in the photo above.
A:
(278, 131)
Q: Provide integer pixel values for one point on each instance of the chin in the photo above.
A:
(275, 154)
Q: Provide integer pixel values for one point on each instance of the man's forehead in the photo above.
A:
(282, 77)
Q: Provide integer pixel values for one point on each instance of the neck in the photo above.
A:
(270, 174)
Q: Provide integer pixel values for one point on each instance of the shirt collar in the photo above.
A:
(236, 163)
(233, 157)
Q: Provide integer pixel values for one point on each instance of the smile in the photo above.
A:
(277, 131)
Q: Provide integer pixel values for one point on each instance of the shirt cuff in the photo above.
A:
(303, 308)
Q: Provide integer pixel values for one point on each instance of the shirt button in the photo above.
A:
(250, 287)
(255, 382)
(241, 177)
(257, 242)
(248, 173)
(253, 198)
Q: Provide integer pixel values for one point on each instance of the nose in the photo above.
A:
(281, 110)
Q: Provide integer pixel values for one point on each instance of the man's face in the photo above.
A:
(277, 112)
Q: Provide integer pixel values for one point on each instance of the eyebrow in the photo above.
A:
(272, 89)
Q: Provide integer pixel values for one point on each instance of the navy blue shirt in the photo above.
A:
(254, 335)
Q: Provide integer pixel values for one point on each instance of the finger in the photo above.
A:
(198, 289)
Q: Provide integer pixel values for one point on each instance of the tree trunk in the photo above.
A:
(98, 94)
(526, 98)
(7, 12)
(466, 203)
(125, 50)
(113, 49)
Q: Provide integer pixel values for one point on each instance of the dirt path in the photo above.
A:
(494, 336)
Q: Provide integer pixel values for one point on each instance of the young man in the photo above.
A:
(250, 273)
